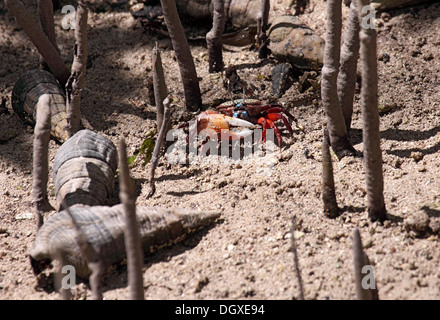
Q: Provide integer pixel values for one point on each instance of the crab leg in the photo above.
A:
(287, 113)
(279, 109)
(264, 124)
(287, 124)
(277, 131)
(273, 116)
(278, 116)
(267, 123)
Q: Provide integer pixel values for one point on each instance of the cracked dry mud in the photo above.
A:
(247, 254)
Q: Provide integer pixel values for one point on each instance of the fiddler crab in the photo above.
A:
(243, 113)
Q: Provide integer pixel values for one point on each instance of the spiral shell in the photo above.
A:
(84, 169)
(104, 230)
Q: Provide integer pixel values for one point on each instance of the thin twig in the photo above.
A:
(40, 41)
(131, 234)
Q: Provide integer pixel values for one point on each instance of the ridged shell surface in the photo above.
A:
(26, 92)
(84, 169)
(104, 229)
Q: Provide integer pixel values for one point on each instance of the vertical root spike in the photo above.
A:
(338, 133)
(40, 158)
(159, 85)
(193, 98)
(40, 40)
(159, 142)
(296, 260)
(360, 259)
(214, 37)
(370, 119)
(131, 233)
(331, 208)
(76, 81)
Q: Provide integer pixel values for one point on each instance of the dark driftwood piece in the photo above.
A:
(370, 118)
(132, 237)
(360, 260)
(92, 258)
(262, 20)
(159, 86)
(193, 98)
(331, 208)
(40, 40)
(40, 159)
(214, 37)
(159, 142)
(296, 261)
(335, 119)
(76, 81)
(45, 12)
(347, 72)
(300, 6)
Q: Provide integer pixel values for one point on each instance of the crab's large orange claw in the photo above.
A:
(235, 135)
(216, 124)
